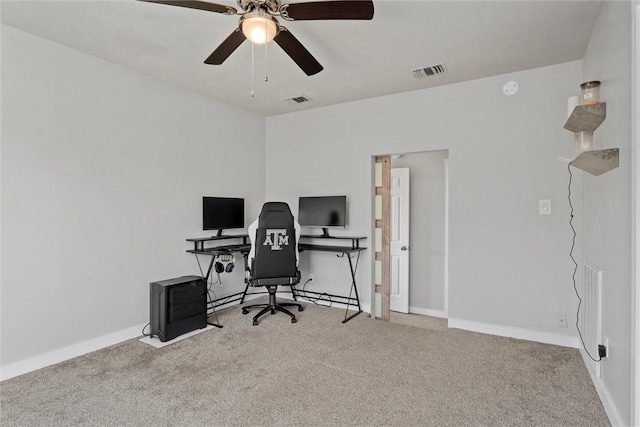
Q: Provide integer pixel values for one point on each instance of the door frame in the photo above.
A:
(381, 190)
(384, 288)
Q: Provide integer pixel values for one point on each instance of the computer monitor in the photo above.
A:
(220, 213)
(323, 211)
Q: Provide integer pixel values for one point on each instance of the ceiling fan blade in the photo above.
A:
(297, 52)
(337, 9)
(226, 48)
(195, 4)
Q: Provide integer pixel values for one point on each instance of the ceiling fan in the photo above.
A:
(258, 23)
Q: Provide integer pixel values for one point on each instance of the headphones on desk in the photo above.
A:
(224, 263)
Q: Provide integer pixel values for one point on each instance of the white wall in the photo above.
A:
(607, 201)
(509, 267)
(103, 171)
(427, 230)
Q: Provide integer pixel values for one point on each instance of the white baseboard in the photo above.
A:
(428, 312)
(507, 331)
(609, 407)
(56, 356)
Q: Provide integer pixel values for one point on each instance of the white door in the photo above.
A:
(399, 239)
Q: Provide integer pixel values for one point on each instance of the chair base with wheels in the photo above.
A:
(272, 306)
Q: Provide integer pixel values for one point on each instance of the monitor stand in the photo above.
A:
(219, 232)
(325, 232)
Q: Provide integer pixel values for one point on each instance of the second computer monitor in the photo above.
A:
(323, 212)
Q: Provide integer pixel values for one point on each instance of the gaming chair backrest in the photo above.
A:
(275, 243)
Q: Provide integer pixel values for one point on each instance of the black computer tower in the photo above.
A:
(178, 306)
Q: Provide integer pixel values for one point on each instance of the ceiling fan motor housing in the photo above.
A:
(271, 6)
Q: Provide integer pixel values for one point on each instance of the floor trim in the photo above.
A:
(609, 407)
(428, 312)
(60, 355)
(520, 333)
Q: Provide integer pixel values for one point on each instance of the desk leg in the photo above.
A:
(214, 324)
(206, 278)
(217, 325)
(245, 256)
(353, 287)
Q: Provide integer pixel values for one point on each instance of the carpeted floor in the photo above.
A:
(315, 372)
(419, 321)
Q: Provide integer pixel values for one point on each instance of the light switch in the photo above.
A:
(544, 207)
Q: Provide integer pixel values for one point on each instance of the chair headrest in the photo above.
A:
(275, 214)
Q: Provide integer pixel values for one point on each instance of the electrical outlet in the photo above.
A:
(606, 346)
(562, 320)
(311, 277)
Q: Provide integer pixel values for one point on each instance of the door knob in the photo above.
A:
(404, 248)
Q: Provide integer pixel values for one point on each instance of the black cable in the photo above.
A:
(213, 301)
(145, 327)
(202, 273)
(210, 283)
(314, 299)
(575, 269)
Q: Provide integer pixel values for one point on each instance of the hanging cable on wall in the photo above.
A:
(575, 269)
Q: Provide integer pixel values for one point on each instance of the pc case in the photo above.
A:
(177, 306)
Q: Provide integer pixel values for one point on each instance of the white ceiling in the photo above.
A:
(361, 59)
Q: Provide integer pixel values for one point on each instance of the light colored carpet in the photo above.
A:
(315, 372)
(419, 321)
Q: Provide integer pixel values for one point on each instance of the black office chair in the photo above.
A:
(274, 261)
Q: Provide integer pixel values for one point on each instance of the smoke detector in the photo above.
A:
(510, 88)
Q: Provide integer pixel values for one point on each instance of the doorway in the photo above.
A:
(427, 235)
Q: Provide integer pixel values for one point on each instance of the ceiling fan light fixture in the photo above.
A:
(259, 27)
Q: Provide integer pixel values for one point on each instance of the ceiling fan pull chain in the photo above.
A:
(266, 64)
(252, 70)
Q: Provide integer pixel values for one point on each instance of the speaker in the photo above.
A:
(221, 260)
(177, 306)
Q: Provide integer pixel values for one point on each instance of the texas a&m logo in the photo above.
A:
(276, 238)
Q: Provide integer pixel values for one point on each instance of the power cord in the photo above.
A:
(210, 290)
(145, 327)
(575, 269)
(314, 299)
(213, 309)
(219, 281)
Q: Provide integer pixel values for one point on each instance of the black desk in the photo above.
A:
(198, 242)
(341, 251)
(199, 248)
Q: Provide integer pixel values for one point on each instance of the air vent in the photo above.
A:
(298, 99)
(433, 70)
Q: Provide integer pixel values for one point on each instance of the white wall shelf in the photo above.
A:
(587, 118)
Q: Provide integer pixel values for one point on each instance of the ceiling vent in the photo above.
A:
(298, 99)
(432, 70)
